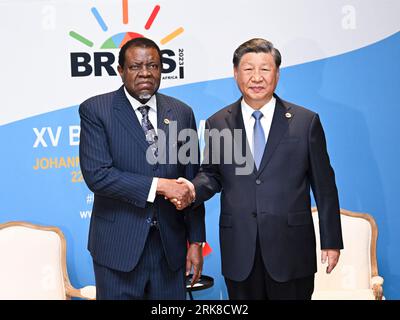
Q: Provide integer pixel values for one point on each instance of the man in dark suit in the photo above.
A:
(267, 236)
(137, 239)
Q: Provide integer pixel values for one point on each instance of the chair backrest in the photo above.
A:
(32, 262)
(357, 263)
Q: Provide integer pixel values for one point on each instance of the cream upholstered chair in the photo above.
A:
(33, 264)
(355, 277)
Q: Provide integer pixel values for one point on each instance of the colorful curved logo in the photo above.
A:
(119, 39)
(85, 64)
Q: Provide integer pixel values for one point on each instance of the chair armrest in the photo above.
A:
(376, 280)
(87, 292)
(376, 284)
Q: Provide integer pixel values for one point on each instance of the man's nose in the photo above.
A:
(144, 71)
(256, 76)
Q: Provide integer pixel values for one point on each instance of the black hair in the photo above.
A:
(137, 42)
(256, 45)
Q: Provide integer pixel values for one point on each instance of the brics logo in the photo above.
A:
(84, 64)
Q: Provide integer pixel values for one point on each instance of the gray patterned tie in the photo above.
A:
(149, 131)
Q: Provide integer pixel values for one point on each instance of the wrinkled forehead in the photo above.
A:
(257, 58)
(144, 54)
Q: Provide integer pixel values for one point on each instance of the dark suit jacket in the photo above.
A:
(275, 200)
(113, 162)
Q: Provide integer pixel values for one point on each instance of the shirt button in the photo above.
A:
(148, 220)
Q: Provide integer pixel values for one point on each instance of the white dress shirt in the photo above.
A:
(248, 120)
(152, 103)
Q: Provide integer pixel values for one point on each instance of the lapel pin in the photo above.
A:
(166, 121)
(288, 115)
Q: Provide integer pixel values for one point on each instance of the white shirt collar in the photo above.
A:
(247, 111)
(152, 103)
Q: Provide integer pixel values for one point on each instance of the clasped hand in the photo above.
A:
(180, 191)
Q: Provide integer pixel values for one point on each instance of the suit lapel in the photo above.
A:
(279, 126)
(163, 115)
(235, 121)
(234, 117)
(127, 117)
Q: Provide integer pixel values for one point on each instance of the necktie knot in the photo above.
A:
(257, 115)
(144, 110)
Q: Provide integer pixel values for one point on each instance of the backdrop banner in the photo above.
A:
(339, 58)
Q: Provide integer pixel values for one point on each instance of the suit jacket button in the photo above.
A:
(258, 181)
(254, 214)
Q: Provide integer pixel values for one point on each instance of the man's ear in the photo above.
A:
(121, 72)
(235, 72)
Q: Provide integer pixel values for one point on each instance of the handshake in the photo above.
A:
(180, 191)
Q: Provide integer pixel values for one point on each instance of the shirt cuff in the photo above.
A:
(201, 244)
(153, 189)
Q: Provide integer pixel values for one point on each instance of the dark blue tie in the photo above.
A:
(259, 139)
(149, 131)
